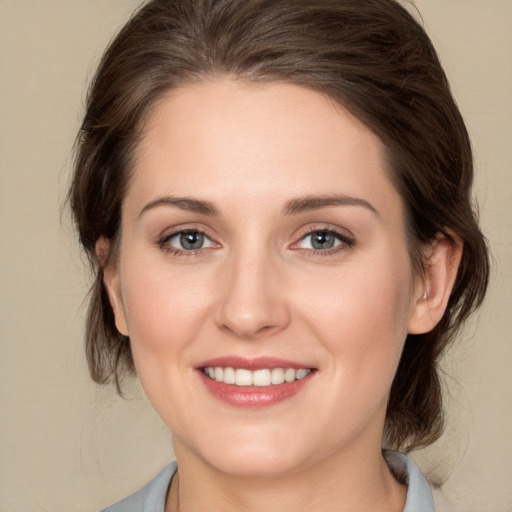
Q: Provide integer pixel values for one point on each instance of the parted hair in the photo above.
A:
(370, 56)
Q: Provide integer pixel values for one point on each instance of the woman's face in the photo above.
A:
(262, 242)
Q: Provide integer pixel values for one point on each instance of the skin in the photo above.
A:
(257, 288)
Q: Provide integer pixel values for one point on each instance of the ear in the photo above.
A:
(431, 294)
(112, 284)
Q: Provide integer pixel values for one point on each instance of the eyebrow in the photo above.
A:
(292, 207)
(310, 203)
(183, 203)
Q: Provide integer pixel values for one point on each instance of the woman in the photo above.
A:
(276, 199)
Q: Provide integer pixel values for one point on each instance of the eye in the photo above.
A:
(189, 240)
(323, 240)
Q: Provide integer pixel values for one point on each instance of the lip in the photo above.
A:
(256, 363)
(253, 396)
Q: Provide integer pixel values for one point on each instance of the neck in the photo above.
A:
(343, 482)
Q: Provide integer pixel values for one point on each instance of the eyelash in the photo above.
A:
(163, 242)
(346, 242)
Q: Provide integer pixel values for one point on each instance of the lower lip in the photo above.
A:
(254, 396)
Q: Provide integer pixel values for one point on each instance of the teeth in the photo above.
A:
(243, 377)
(263, 377)
(229, 376)
(300, 374)
(289, 374)
(277, 376)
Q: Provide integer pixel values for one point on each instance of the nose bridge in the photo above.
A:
(252, 303)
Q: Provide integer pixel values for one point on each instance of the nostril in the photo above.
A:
(250, 307)
(248, 331)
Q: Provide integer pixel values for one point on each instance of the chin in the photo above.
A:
(261, 466)
(257, 459)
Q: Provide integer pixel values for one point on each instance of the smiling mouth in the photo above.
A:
(263, 377)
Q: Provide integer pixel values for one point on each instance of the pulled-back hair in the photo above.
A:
(370, 56)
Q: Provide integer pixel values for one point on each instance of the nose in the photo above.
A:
(253, 300)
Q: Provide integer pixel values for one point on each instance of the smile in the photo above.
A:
(255, 383)
(263, 377)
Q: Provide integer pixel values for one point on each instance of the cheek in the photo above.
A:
(164, 315)
(163, 310)
(361, 313)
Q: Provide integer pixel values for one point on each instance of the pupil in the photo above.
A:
(191, 240)
(322, 240)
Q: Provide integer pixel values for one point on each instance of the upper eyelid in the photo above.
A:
(170, 232)
(343, 233)
(165, 239)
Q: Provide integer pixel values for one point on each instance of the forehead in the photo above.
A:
(229, 138)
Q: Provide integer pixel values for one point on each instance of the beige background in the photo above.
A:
(67, 446)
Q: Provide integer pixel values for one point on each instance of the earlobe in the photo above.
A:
(112, 284)
(431, 297)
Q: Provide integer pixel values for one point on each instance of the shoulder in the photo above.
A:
(419, 496)
(151, 498)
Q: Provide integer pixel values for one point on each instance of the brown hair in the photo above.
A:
(374, 59)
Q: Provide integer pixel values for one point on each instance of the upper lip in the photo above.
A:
(256, 363)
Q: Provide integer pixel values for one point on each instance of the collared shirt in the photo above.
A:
(151, 498)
